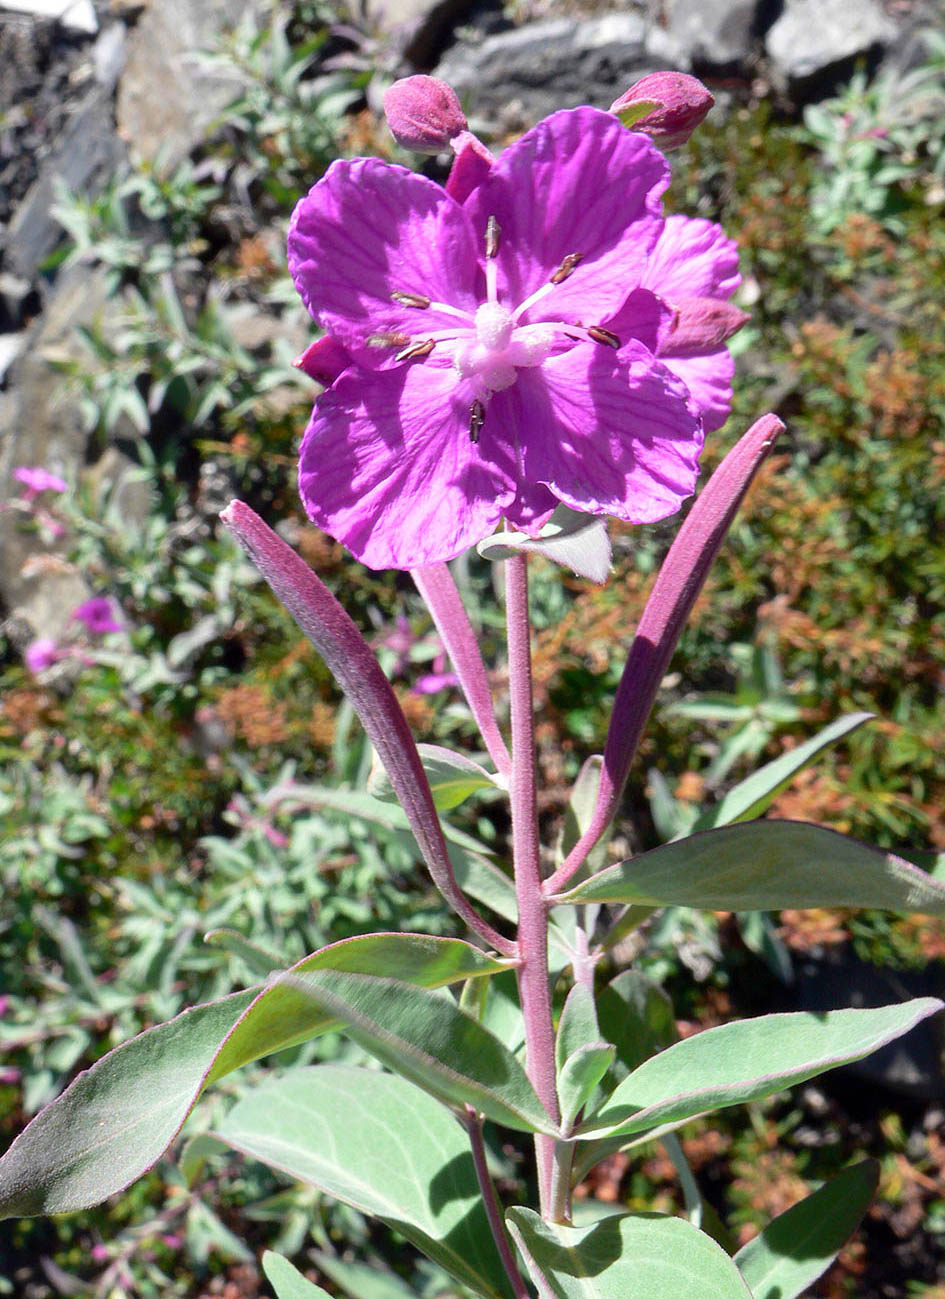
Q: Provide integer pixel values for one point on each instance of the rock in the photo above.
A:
(10, 347)
(166, 99)
(17, 300)
(514, 78)
(417, 29)
(811, 37)
(108, 54)
(85, 156)
(913, 1064)
(74, 15)
(712, 33)
(40, 423)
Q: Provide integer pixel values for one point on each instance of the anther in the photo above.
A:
(477, 417)
(604, 336)
(388, 340)
(410, 299)
(416, 350)
(567, 266)
(493, 230)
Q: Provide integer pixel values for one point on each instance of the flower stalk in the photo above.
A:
(533, 982)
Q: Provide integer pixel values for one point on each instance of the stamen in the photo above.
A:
(493, 230)
(410, 299)
(477, 417)
(604, 336)
(416, 350)
(566, 268)
(388, 340)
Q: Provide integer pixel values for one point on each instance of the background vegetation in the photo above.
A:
(197, 771)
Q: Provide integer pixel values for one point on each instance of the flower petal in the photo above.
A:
(579, 182)
(709, 380)
(643, 316)
(387, 466)
(611, 432)
(369, 229)
(693, 258)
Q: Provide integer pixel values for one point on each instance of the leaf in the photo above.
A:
(577, 541)
(637, 1016)
(581, 1056)
(625, 1256)
(762, 866)
(674, 592)
(453, 778)
(256, 958)
(373, 1141)
(752, 796)
(117, 1118)
(747, 1060)
(361, 1280)
(287, 1281)
(800, 1244)
(427, 1039)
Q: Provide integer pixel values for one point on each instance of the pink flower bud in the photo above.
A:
(423, 114)
(702, 325)
(666, 106)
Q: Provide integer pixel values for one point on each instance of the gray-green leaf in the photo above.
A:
(763, 866)
(800, 1244)
(626, 1256)
(375, 1142)
(747, 1060)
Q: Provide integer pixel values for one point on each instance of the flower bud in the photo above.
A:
(666, 106)
(702, 325)
(423, 114)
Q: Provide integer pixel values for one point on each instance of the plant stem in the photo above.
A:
(473, 1125)
(435, 583)
(533, 983)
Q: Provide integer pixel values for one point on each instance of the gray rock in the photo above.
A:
(514, 78)
(416, 29)
(40, 424)
(75, 15)
(712, 33)
(166, 99)
(812, 36)
(10, 347)
(85, 156)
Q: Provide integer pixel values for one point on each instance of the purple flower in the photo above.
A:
(495, 356)
(36, 479)
(42, 653)
(96, 616)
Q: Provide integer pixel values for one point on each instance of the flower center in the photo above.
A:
(492, 352)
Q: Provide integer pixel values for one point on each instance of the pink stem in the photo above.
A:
(533, 982)
(473, 1125)
(674, 593)
(435, 583)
